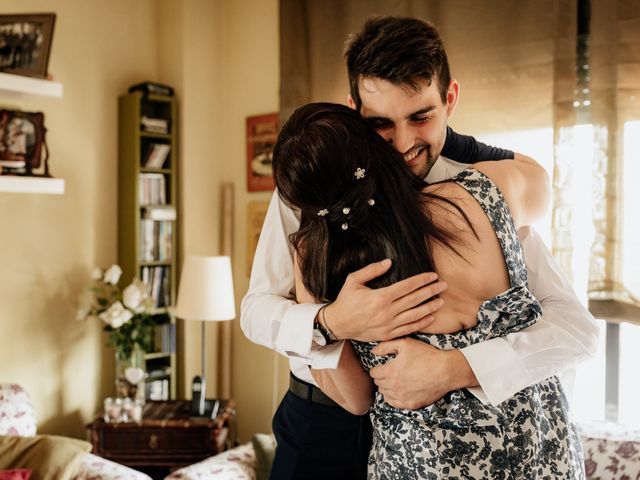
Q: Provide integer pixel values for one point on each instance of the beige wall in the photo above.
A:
(222, 57)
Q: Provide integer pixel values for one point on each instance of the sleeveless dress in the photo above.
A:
(529, 436)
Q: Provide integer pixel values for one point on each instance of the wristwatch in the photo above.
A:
(321, 335)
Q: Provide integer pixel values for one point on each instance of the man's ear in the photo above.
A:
(350, 102)
(452, 97)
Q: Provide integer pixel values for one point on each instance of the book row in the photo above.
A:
(156, 240)
(152, 189)
(158, 279)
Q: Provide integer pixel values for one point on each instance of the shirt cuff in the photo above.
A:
(498, 369)
(295, 338)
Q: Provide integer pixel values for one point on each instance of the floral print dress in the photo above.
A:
(529, 436)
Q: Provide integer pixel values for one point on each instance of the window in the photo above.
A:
(607, 386)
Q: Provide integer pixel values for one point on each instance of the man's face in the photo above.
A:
(414, 122)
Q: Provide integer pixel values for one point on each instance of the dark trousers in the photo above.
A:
(316, 441)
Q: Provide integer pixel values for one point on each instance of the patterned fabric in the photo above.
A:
(239, 463)
(611, 451)
(16, 412)
(529, 436)
(93, 467)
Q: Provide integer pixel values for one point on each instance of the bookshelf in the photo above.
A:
(147, 219)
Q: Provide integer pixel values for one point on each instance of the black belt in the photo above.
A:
(309, 392)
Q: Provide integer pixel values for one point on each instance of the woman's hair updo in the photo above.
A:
(359, 202)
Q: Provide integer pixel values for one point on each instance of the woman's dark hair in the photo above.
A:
(315, 160)
(401, 50)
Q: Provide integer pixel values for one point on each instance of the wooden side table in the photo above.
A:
(166, 439)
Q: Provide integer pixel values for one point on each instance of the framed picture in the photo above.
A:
(22, 136)
(256, 211)
(25, 43)
(262, 133)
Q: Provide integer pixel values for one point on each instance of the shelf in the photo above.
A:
(155, 135)
(15, 184)
(35, 86)
(154, 355)
(166, 171)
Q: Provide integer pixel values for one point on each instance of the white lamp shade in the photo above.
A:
(206, 289)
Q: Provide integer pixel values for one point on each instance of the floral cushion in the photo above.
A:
(611, 451)
(93, 467)
(19, 474)
(239, 463)
(16, 412)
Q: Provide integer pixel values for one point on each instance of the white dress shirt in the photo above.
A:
(565, 335)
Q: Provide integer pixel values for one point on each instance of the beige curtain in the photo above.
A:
(501, 51)
(516, 62)
(615, 67)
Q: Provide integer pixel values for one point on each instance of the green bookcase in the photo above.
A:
(147, 218)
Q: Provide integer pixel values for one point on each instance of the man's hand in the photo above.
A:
(420, 374)
(365, 314)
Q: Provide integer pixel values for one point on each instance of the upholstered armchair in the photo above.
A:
(17, 418)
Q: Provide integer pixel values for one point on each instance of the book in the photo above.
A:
(159, 212)
(152, 189)
(154, 125)
(157, 153)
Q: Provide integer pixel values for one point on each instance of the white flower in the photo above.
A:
(133, 296)
(96, 274)
(116, 315)
(133, 375)
(112, 275)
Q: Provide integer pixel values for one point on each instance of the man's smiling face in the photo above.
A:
(413, 121)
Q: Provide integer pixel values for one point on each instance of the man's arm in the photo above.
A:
(565, 336)
(269, 316)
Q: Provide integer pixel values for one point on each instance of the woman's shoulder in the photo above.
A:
(445, 201)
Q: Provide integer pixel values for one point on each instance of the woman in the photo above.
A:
(360, 203)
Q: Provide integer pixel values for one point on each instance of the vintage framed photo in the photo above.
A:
(262, 133)
(25, 43)
(22, 137)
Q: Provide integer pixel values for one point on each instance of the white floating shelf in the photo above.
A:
(15, 184)
(35, 86)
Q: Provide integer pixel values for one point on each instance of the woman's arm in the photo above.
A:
(348, 385)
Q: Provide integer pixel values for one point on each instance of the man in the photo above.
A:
(400, 81)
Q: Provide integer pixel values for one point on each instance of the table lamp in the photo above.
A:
(206, 294)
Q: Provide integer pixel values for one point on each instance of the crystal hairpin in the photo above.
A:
(346, 210)
(371, 202)
(345, 226)
(323, 212)
(359, 173)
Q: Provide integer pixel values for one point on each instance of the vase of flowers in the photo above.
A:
(129, 319)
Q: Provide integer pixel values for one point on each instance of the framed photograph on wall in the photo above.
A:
(22, 142)
(25, 43)
(256, 211)
(262, 133)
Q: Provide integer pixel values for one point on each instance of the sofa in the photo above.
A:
(48, 456)
(611, 451)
